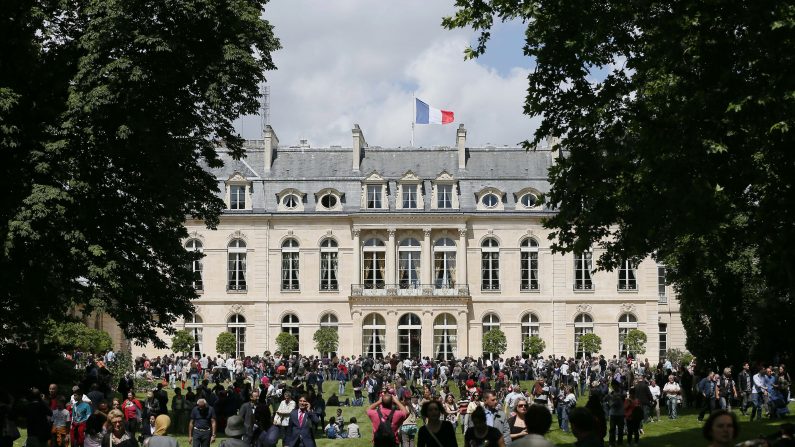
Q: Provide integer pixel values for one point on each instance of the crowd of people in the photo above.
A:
(270, 400)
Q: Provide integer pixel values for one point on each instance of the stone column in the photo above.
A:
(391, 333)
(461, 258)
(462, 335)
(357, 258)
(390, 257)
(426, 338)
(426, 257)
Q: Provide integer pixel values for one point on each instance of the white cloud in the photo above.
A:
(353, 61)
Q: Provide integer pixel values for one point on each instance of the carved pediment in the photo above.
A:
(444, 176)
(236, 177)
(410, 177)
(374, 177)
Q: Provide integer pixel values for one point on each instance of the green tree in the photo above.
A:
(286, 342)
(678, 357)
(226, 343)
(533, 346)
(676, 132)
(122, 364)
(326, 340)
(635, 341)
(110, 113)
(182, 341)
(591, 343)
(494, 342)
(76, 335)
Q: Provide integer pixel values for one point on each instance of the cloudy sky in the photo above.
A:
(357, 61)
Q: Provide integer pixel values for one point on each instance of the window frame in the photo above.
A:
(329, 265)
(490, 265)
(291, 258)
(237, 256)
(196, 265)
(627, 277)
(583, 266)
(528, 265)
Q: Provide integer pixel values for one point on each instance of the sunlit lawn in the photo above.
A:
(685, 431)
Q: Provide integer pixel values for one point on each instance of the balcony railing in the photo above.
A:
(398, 290)
(663, 299)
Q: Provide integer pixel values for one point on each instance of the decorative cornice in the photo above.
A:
(587, 308)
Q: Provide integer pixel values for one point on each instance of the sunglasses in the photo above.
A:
(521, 406)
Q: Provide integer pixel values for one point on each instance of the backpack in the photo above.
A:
(331, 432)
(384, 436)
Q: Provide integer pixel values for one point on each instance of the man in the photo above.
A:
(746, 383)
(510, 399)
(37, 415)
(81, 411)
(247, 413)
(644, 396)
(201, 428)
(726, 390)
(286, 407)
(301, 425)
(384, 410)
(162, 397)
(495, 417)
(672, 392)
(707, 389)
(583, 426)
(53, 396)
(758, 392)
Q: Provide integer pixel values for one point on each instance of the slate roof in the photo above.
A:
(309, 170)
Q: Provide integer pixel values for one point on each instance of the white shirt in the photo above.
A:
(230, 363)
(655, 391)
(564, 369)
(671, 388)
(759, 384)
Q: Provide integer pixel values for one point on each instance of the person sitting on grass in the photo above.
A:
(353, 429)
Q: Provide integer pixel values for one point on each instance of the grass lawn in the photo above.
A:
(685, 431)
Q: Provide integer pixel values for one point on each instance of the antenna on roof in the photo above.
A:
(265, 106)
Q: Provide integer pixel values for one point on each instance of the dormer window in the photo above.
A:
(445, 194)
(528, 199)
(329, 200)
(238, 192)
(374, 192)
(490, 199)
(290, 200)
(409, 192)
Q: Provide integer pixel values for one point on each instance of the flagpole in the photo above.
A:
(413, 115)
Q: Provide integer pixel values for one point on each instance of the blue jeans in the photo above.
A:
(201, 438)
(672, 407)
(757, 399)
(341, 389)
(194, 380)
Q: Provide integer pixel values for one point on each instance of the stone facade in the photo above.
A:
(407, 250)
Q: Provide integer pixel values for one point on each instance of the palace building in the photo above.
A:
(415, 251)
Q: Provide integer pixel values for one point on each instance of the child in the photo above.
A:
(332, 431)
(353, 429)
(60, 424)
(634, 415)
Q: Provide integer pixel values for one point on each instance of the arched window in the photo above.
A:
(328, 264)
(374, 263)
(529, 264)
(490, 264)
(194, 326)
(236, 255)
(330, 320)
(409, 336)
(409, 263)
(530, 326)
(444, 263)
(490, 322)
(626, 276)
(582, 271)
(291, 326)
(445, 342)
(373, 336)
(626, 322)
(196, 265)
(290, 265)
(237, 326)
(583, 324)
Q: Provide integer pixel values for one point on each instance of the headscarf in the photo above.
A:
(162, 423)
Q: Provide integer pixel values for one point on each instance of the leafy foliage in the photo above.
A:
(676, 132)
(74, 335)
(226, 343)
(326, 340)
(110, 112)
(286, 342)
(494, 342)
(635, 341)
(533, 346)
(182, 341)
(121, 365)
(591, 343)
(678, 357)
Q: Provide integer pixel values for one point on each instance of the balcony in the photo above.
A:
(408, 290)
(662, 299)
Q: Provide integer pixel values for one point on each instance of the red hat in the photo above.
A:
(470, 383)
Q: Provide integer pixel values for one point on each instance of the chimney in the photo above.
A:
(358, 146)
(553, 145)
(461, 142)
(271, 143)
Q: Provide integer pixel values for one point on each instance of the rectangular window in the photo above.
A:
(582, 271)
(198, 284)
(490, 270)
(328, 271)
(529, 270)
(237, 271)
(290, 270)
(444, 196)
(374, 196)
(663, 340)
(237, 197)
(409, 196)
(626, 277)
(661, 284)
(409, 269)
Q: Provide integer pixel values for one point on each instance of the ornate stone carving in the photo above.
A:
(356, 232)
(426, 232)
(236, 309)
(462, 232)
(627, 307)
(328, 233)
(391, 232)
(584, 308)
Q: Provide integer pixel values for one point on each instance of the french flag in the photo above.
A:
(425, 114)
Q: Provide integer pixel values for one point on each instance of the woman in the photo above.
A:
(451, 410)
(95, 429)
(516, 422)
(118, 436)
(159, 437)
(133, 411)
(474, 403)
(480, 434)
(721, 429)
(266, 434)
(408, 431)
(436, 432)
(115, 405)
(151, 405)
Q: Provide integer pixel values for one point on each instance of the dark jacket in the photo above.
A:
(297, 434)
